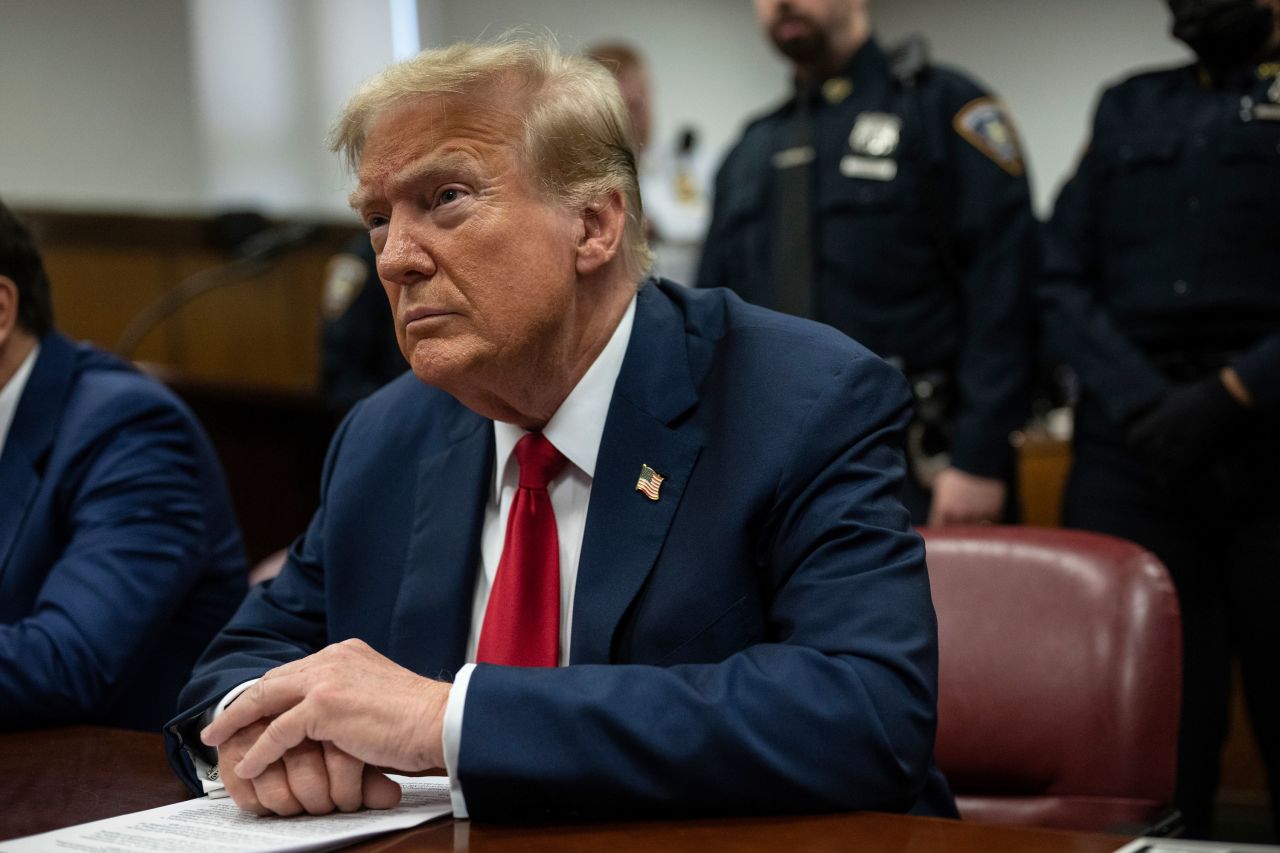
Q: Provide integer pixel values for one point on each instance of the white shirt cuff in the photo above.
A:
(451, 736)
(208, 773)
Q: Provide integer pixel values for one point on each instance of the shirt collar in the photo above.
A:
(11, 393)
(578, 425)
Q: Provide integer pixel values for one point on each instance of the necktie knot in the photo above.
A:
(539, 461)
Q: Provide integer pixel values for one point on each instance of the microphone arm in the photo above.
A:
(182, 293)
(257, 254)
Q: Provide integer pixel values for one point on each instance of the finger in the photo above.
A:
(379, 791)
(304, 767)
(269, 696)
(346, 777)
(241, 792)
(281, 735)
(271, 787)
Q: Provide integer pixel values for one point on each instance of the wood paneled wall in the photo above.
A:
(261, 332)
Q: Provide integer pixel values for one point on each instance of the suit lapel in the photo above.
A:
(433, 613)
(625, 529)
(18, 482)
(31, 435)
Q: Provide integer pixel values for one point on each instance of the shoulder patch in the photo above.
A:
(343, 280)
(983, 124)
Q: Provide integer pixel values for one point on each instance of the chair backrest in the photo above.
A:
(1060, 672)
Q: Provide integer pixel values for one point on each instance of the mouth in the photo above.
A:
(790, 27)
(423, 317)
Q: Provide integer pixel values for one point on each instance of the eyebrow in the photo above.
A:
(427, 169)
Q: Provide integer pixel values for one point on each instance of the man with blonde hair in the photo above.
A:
(615, 546)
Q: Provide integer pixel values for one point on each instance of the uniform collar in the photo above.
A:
(868, 63)
(1269, 67)
(1242, 77)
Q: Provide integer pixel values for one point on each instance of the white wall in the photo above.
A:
(160, 104)
(708, 62)
(270, 76)
(95, 105)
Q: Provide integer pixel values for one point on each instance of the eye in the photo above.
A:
(374, 220)
(448, 195)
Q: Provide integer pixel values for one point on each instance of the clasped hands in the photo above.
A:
(311, 735)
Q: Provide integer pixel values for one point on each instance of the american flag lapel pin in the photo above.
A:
(650, 482)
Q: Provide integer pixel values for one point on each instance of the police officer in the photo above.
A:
(1162, 290)
(358, 349)
(889, 199)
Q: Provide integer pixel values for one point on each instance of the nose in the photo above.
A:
(404, 258)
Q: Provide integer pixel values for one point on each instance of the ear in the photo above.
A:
(604, 225)
(8, 308)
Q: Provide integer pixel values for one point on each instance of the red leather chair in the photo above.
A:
(1060, 676)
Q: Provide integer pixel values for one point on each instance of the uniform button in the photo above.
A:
(1193, 203)
(1197, 141)
(1180, 287)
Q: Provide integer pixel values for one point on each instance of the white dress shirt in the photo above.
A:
(11, 394)
(575, 430)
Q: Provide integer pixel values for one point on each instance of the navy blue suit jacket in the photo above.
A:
(119, 554)
(761, 638)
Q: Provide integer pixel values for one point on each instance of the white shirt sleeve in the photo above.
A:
(208, 773)
(451, 737)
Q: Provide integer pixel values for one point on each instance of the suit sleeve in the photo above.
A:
(835, 711)
(1111, 368)
(282, 620)
(135, 545)
(996, 255)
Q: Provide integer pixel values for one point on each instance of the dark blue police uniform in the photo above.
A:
(358, 348)
(1162, 266)
(922, 242)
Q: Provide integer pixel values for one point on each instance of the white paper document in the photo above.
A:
(220, 826)
(1179, 845)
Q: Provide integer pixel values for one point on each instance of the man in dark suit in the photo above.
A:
(119, 554)
(615, 546)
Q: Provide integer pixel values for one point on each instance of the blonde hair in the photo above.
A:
(576, 142)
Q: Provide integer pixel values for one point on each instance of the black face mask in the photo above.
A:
(1222, 32)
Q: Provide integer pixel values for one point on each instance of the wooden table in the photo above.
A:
(57, 777)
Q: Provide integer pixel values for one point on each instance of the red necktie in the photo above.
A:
(522, 620)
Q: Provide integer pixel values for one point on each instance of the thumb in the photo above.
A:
(379, 791)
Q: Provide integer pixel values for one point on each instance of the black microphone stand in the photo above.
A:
(257, 255)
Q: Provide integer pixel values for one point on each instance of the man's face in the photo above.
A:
(803, 29)
(478, 269)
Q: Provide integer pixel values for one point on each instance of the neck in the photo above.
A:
(13, 352)
(556, 367)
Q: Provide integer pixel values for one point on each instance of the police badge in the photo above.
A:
(875, 134)
(874, 138)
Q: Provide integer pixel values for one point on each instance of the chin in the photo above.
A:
(432, 367)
